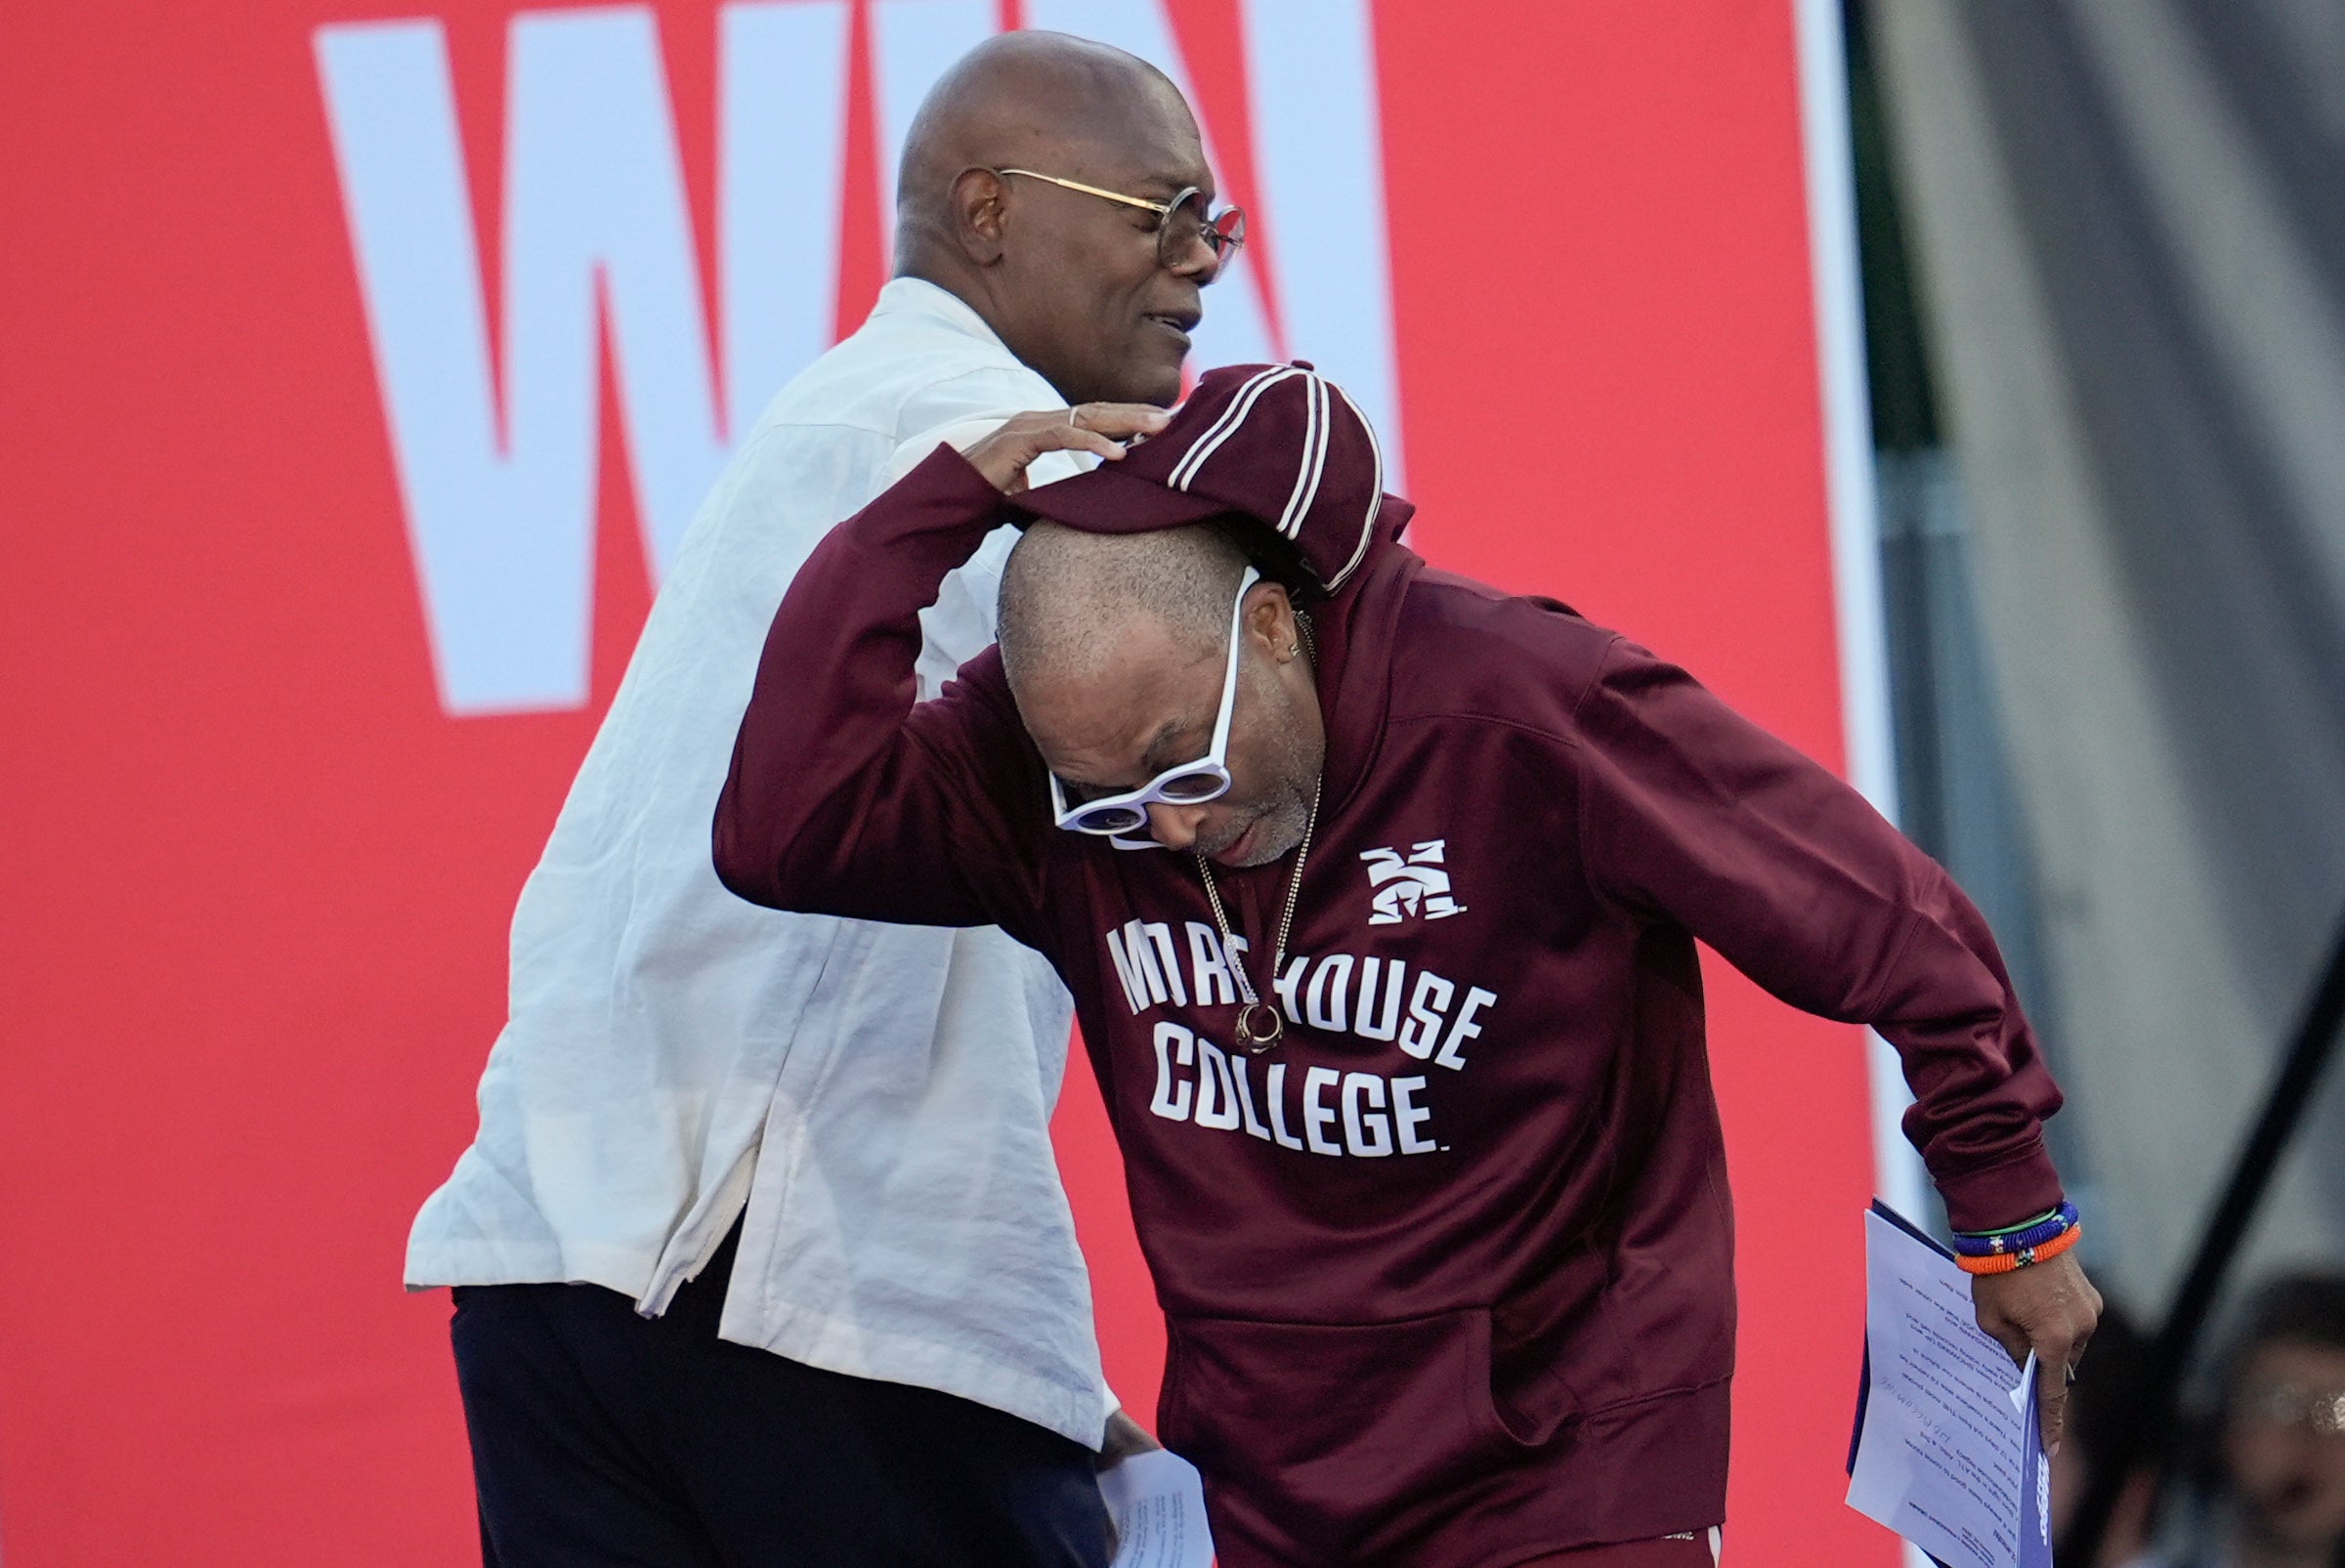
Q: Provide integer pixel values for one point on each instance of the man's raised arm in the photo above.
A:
(846, 795)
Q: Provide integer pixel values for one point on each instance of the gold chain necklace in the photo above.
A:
(1259, 1024)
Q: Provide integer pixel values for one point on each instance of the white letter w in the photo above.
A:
(500, 506)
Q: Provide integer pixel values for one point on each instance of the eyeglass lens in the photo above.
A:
(1193, 787)
(1187, 787)
(1222, 233)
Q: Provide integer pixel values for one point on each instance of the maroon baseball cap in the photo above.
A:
(1280, 444)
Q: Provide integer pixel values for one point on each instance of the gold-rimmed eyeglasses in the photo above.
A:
(1223, 233)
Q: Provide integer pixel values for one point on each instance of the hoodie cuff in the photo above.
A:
(2006, 1193)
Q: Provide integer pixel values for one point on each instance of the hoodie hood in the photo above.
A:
(1353, 631)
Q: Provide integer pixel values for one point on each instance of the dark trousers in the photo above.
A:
(600, 1437)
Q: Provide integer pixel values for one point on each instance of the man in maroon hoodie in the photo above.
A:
(1402, 1038)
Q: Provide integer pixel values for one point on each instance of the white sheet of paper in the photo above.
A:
(1157, 1499)
(1943, 1449)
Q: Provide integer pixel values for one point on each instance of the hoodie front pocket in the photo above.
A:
(1316, 1434)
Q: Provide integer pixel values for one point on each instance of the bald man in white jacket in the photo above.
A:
(760, 1249)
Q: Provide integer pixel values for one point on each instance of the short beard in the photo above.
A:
(1285, 820)
(1283, 827)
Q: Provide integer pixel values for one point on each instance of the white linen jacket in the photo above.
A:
(879, 1096)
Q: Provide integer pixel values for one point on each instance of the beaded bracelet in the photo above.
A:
(2005, 1230)
(2026, 1256)
(2035, 1233)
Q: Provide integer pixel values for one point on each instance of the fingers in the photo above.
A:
(1125, 1437)
(2050, 1309)
(1074, 437)
(2058, 1349)
(1121, 420)
(2051, 1401)
(1004, 455)
(2057, 1354)
(1097, 428)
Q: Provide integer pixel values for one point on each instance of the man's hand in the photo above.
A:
(2049, 1308)
(1091, 427)
(1125, 1438)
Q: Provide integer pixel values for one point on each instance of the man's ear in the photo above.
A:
(980, 215)
(1271, 618)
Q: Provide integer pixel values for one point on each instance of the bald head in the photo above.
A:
(1072, 282)
(1027, 101)
(1069, 600)
(1116, 647)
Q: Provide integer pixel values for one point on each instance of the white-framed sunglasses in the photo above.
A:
(1189, 784)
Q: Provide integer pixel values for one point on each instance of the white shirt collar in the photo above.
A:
(919, 296)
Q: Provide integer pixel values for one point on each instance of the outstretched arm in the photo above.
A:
(846, 796)
(1693, 813)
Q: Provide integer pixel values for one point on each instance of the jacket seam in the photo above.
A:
(1577, 749)
(1505, 721)
(782, 426)
(1580, 791)
(1008, 362)
(786, 1178)
(1674, 1391)
(882, 432)
(1348, 1323)
(2033, 1150)
(1869, 1005)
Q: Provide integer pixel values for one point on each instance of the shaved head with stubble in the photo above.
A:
(1072, 282)
(1114, 646)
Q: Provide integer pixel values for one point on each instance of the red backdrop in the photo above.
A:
(260, 880)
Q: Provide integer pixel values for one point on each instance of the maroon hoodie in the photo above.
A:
(1448, 1274)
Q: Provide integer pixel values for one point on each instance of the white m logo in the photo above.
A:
(496, 452)
(1405, 889)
